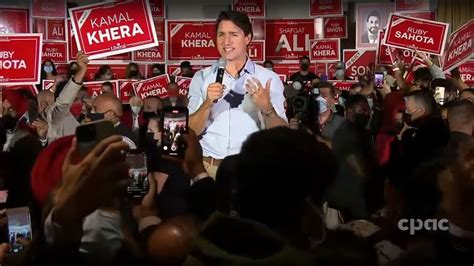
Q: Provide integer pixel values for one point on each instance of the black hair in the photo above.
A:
(102, 70)
(43, 73)
(305, 57)
(354, 100)
(185, 64)
(161, 67)
(426, 99)
(268, 62)
(238, 18)
(107, 83)
(325, 84)
(461, 111)
(423, 74)
(374, 13)
(130, 65)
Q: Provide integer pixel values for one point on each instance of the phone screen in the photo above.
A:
(138, 174)
(19, 226)
(379, 80)
(174, 124)
(439, 95)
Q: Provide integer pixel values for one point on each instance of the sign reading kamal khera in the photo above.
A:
(325, 7)
(55, 51)
(335, 27)
(460, 48)
(183, 85)
(359, 62)
(20, 58)
(325, 50)
(288, 39)
(408, 33)
(256, 51)
(155, 86)
(192, 40)
(48, 8)
(253, 8)
(112, 28)
(467, 73)
(155, 54)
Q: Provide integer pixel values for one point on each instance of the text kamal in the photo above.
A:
(417, 35)
(464, 44)
(6, 61)
(112, 33)
(153, 90)
(197, 40)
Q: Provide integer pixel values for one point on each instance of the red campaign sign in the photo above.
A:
(155, 86)
(192, 40)
(39, 26)
(359, 62)
(253, 8)
(325, 7)
(160, 29)
(331, 70)
(408, 33)
(320, 68)
(175, 70)
(258, 27)
(20, 59)
(404, 5)
(157, 8)
(108, 28)
(48, 8)
(62, 69)
(48, 85)
(14, 20)
(151, 55)
(467, 73)
(122, 57)
(71, 42)
(118, 70)
(335, 27)
(94, 88)
(56, 29)
(282, 77)
(126, 89)
(417, 63)
(286, 69)
(256, 51)
(183, 85)
(55, 51)
(428, 15)
(288, 39)
(325, 50)
(389, 55)
(460, 48)
(343, 85)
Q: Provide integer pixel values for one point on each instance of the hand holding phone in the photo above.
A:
(379, 79)
(174, 125)
(19, 228)
(138, 173)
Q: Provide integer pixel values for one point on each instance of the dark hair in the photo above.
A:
(374, 13)
(354, 100)
(425, 98)
(107, 83)
(238, 18)
(130, 65)
(43, 73)
(461, 111)
(305, 57)
(325, 84)
(268, 62)
(423, 74)
(101, 71)
(161, 67)
(185, 64)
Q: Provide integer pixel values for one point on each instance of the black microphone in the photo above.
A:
(220, 73)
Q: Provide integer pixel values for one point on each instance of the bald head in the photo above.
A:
(152, 104)
(108, 104)
(461, 117)
(45, 98)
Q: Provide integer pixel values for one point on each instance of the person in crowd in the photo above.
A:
(152, 106)
(48, 70)
(104, 73)
(355, 88)
(467, 94)
(174, 99)
(373, 25)
(340, 73)
(133, 72)
(354, 148)
(72, 69)
(107, 87)
(329, 119)
(240, 101)
(304, 76)
(186, 70)
(268, 64)
(157, 69)
(461, 127)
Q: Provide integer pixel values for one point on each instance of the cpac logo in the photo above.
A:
(417, 224)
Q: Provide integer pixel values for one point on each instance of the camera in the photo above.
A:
(304, 107)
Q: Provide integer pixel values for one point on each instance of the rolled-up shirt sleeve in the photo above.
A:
(277, 97)
(195, 94)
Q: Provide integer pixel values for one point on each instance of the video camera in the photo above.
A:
(305, 108)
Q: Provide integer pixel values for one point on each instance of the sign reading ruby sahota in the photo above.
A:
(389, 55)
(359, 62)
(55, 51)
(325, 7)
(256, 51)
(253, 8)
(408, 33)
(112, 28)
(288, 39)
(20, 59)
(14, 20)
(325, 50)
(192, 40)
(460, 48)
(183, 85)
(151, 55)
(157, 8)
(48, 8)
(155, 86)
(335, 27)
(415, 5)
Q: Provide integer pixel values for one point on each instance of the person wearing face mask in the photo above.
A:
(174, 99)
(304, 75)
(353, 146)
(186, 69)
(49, 72)
(156, 70)
(72, 69)
(328, 120)
(132, 72)
(340, 73)
(104, 73)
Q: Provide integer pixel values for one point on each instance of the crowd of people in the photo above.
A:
(273, 173)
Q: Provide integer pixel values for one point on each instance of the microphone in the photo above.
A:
(220, 72)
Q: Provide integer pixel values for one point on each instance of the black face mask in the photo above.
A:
(149, 115)
(304, 67)
(80, 118)
(96, 116)
(361, 120)
(133, 73)
(9, 122)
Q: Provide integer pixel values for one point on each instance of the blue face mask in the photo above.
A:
(340, 73)
(48, 69)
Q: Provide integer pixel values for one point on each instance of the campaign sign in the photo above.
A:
(160, 29)
(55, 51)
(460, 48)
(359, 62)
(282, 77)
(155, 86)
(62, 69)
(256, 51)
(14, 20)
(331, 70)
(48, 8)
(94, 88)
(71, 41)
(126, 89)
(39, 26)
(48, 84)
(112, 28)
(390, 55)
(192, 40)
(183, 85)
(409, 75)
(467, 73)
(175, 69)
(417, 5)
(408, 33)
(286, 69)
(118, 70)
(320, 68)
(335, 27)
(157, 8)
(151, 55)
(325, 7)
(253, 8)
(258, 28)
(325, 50)
(288, 39)
(56, 29)
(428, 15)
(343, 85)
(20, 58)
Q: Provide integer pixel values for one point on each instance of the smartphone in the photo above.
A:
(137, 173)
(88, 135)
(174, 122)
(439, 95)
(19, 226)
(379, 79)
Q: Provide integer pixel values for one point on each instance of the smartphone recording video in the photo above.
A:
(439, 95)
(90, 134)
(379, 79)
(174, 125)
(138, 173)
(19, 227)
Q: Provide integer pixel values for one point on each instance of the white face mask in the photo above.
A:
(371, 102)
(136, 109)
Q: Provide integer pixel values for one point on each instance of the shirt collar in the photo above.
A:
(249, 68)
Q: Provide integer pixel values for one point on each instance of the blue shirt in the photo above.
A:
(234, 117)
